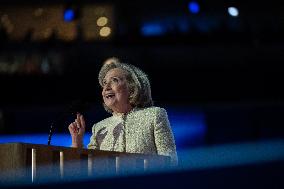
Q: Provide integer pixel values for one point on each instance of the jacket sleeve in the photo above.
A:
(93, 141)
(164, 138)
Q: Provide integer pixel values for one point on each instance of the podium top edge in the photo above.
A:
(79, 150)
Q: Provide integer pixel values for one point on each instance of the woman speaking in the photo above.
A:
(136, 126)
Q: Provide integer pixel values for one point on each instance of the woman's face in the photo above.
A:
(115, 91)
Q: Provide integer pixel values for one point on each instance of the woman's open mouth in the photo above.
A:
(109, 96)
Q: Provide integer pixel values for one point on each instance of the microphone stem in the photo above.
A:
(50, 133)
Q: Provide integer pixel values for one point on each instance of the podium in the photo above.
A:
(33, 162)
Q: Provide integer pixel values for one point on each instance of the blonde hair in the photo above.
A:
(137, 80)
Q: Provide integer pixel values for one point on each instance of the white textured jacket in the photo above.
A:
(142, 130)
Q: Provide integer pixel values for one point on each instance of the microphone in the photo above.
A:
(77, 106)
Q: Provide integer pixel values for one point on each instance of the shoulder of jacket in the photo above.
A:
(103, 122)
(154, 109)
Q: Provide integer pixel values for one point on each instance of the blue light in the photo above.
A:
(69, 15)
(193, 7)
(189, 127)
(58, 139)
(152, 29)
(234, 154)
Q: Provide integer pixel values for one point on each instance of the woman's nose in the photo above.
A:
(107, 86)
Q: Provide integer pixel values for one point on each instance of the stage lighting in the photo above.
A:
(102, 21)
(193, 7)
(69, 15)
(153, 29)
(233, 11)
(105, 31)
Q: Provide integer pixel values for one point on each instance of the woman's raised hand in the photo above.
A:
(77, 131)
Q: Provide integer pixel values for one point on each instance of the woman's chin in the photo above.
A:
(109, 103)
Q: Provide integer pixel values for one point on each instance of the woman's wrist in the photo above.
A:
(77, 143)
(74, 145)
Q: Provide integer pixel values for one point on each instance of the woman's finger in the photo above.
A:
(77, 123)
(70, 127)
(78, 117)
(74, 127)
(82, 121)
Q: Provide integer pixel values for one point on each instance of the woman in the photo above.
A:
(136, 126)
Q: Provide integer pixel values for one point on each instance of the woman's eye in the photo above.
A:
(115, 80)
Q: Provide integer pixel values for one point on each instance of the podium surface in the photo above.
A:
(32, 162)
